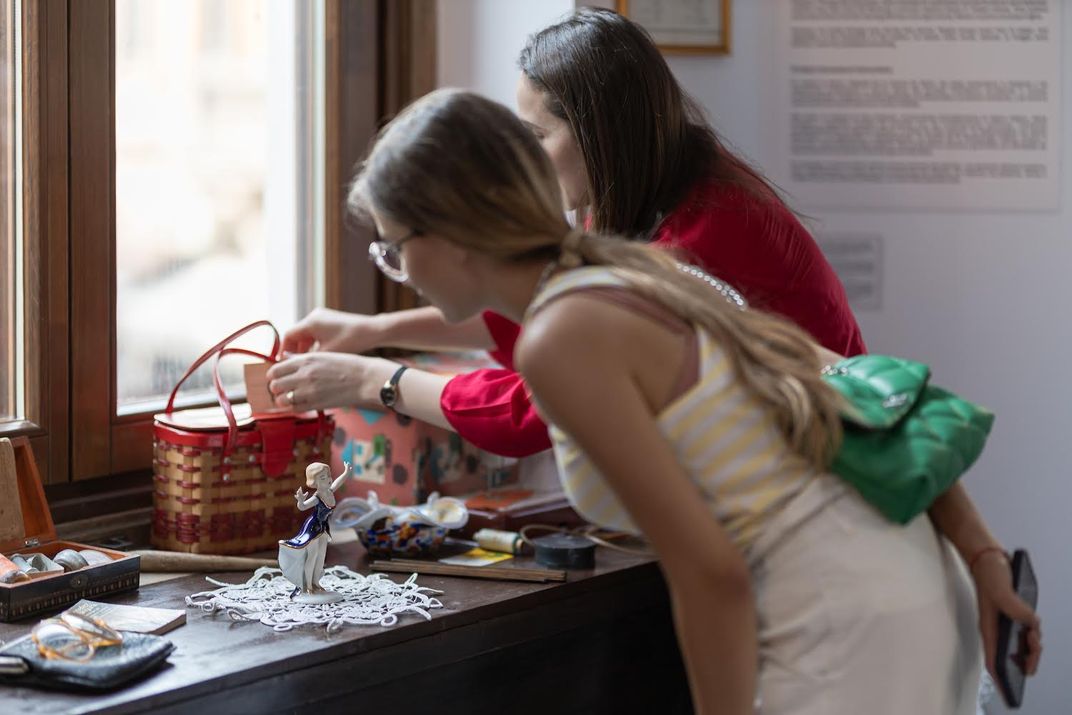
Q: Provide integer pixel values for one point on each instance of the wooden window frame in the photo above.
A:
(45, 232)
(407, 71)
(91, 94)
(9, 386)
(105, 443)
(380, 54)
(403, 64)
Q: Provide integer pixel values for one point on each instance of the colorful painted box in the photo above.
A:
(404, 460)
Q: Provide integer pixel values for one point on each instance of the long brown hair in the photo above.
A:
(465, 168)
(644, 140)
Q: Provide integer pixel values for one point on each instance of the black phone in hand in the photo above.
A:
(1012, 636)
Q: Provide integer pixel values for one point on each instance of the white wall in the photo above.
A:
(979, 296)
(478, 41)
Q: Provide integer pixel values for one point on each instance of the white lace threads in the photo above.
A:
(367, 600)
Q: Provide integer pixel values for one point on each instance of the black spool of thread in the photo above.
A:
(565, 551)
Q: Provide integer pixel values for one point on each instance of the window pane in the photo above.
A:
(11, 368)
(216, 180)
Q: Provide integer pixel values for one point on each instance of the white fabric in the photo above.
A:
(860, 615)
(303, 566)
(367, 600)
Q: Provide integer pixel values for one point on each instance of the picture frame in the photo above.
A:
(683, 27)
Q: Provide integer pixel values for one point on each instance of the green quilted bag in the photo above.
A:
(906, 441)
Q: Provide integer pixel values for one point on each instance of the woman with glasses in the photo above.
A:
(706, 427)
(631, 151)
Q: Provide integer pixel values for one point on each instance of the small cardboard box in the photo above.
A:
(404, 460)
(35, 533)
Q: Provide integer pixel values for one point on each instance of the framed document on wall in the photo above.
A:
(684, 27)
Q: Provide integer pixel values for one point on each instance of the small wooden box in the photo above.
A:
(52, 592)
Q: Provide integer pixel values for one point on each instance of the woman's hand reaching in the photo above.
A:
(323, 380)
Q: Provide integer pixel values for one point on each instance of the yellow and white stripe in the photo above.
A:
(725, 438)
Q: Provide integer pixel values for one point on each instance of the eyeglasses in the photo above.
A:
(71, 636)
(388, 256)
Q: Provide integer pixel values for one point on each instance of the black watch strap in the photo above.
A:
(389, 391)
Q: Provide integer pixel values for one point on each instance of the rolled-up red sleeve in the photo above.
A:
(491, 409)
(504, 332)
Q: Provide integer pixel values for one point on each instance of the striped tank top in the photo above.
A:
(727, 440)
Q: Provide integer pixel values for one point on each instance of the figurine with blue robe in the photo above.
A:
(302, 558)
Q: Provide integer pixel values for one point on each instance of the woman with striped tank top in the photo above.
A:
(706, 428)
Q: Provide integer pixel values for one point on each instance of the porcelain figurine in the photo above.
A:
(302, 558)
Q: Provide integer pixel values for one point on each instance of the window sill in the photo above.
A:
(76, 504)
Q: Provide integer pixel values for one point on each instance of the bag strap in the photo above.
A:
(273, 356)
(274, 433)
(219, 350)
(225, 402)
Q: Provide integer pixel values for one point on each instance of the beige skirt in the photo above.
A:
(859, 615)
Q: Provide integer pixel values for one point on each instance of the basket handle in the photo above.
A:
(219, 351)
(221, 394)
(225, 403)
(216, 349)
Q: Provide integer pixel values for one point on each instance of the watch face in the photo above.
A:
(389, 391)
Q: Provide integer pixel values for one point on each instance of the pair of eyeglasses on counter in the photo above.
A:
(72, 636)
(388, 256)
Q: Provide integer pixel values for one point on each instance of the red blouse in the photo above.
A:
(758, 247)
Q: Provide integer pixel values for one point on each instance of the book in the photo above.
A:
(136, 619)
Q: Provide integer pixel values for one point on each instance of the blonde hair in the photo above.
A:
(465, 168)
(315, 470)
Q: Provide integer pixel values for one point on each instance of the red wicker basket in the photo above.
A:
(225, 478)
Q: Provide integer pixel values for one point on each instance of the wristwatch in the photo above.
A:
(389, 391)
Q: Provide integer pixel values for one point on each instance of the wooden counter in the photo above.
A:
(600, 643)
